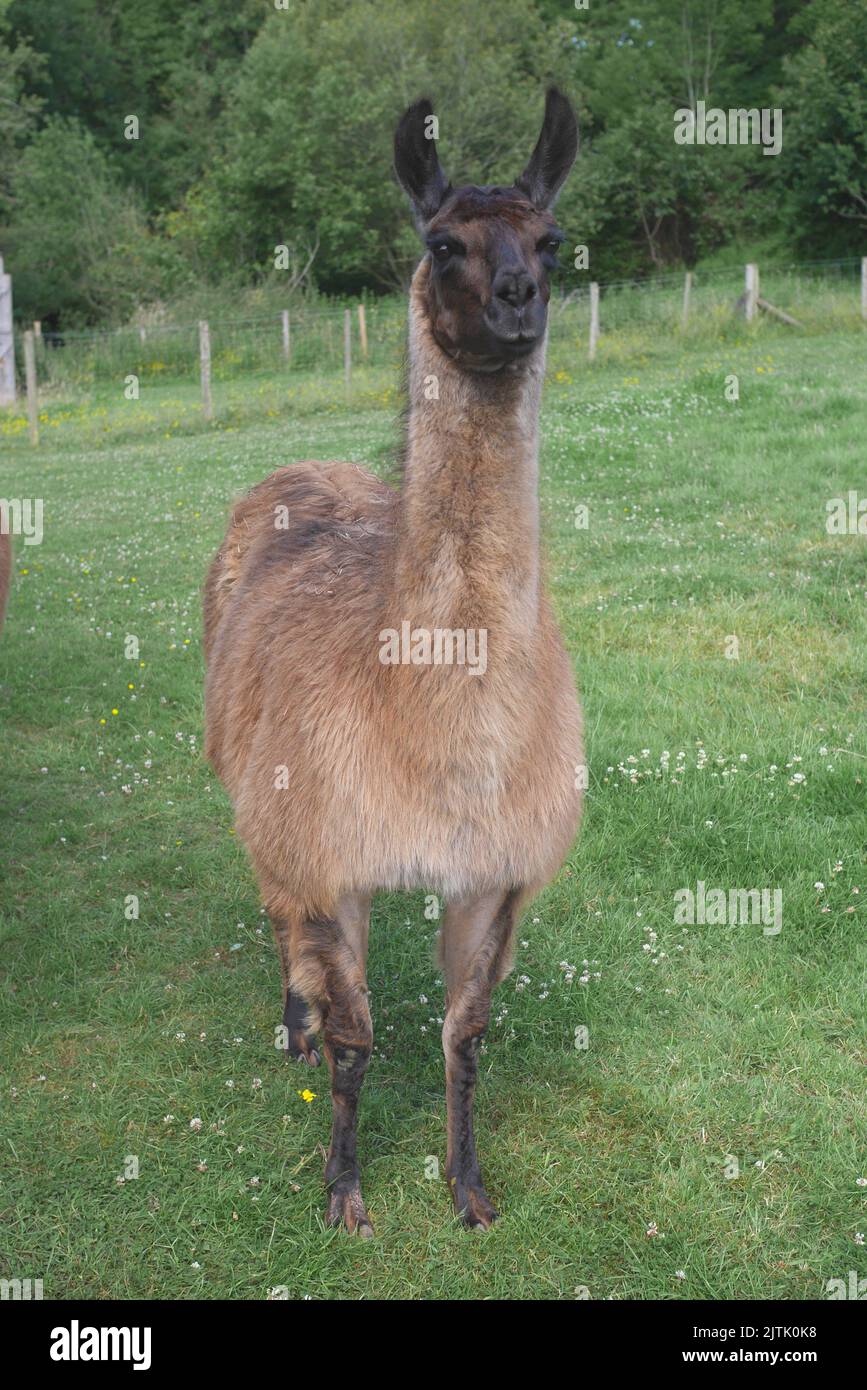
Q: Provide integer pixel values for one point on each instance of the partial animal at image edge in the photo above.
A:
(5, 568)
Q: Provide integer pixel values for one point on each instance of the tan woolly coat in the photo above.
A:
(349, 775)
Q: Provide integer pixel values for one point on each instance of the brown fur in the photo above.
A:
(5, 568)
(399, 776)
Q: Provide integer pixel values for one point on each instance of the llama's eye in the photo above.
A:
(548, 249)
(445, 248)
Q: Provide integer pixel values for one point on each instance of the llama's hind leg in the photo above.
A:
(475, 949)
(329, 971)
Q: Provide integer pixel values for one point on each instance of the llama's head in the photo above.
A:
(490, 248)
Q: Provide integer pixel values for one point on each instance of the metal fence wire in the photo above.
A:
(333, 341)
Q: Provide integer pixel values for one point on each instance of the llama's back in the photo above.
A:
(302, 552)
(296, 516)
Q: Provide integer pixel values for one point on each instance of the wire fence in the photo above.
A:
(238, 345)
(363, 342)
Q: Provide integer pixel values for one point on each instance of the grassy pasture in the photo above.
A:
(612, 1165)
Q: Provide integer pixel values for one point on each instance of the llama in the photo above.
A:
(5, 564)
(352, 771)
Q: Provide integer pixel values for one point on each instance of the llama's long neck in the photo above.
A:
(468, 534)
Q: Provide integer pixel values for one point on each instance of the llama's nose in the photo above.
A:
(515, 287)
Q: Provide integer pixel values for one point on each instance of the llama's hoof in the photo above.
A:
(300, 1044)
(346, 1208)
(301, 1047)
(473, 1205)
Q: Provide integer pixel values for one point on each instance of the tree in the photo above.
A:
(19, 109)
(77, 240)
(262, 127)
(165, 61)
(307, 143)
(645, 201)
(823, 168)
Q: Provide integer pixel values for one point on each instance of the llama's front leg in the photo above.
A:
(330, 973)
(476, 940)
(300, 1042)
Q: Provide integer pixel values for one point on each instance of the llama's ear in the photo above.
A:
(554, 154)
(417, 164)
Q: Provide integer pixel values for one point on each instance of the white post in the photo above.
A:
(30, 377)
(362, 329)
(287, 341)
(347, 346)
(594, 319)
(7, 341)
(863, 288)
(687, 287)
(752, 292)
(205, 366)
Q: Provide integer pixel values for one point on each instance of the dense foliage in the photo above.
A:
(263, 123)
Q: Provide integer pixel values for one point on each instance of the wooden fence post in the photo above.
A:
(594, 319)
(362, 330)
(864, 287)
(287, 341)
(687, 287)
(7, 341)
(30, 377)
(752, 292)
(778, 313)
(347, 346)
(205, 366)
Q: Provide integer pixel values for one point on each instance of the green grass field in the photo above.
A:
(712, 1049)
